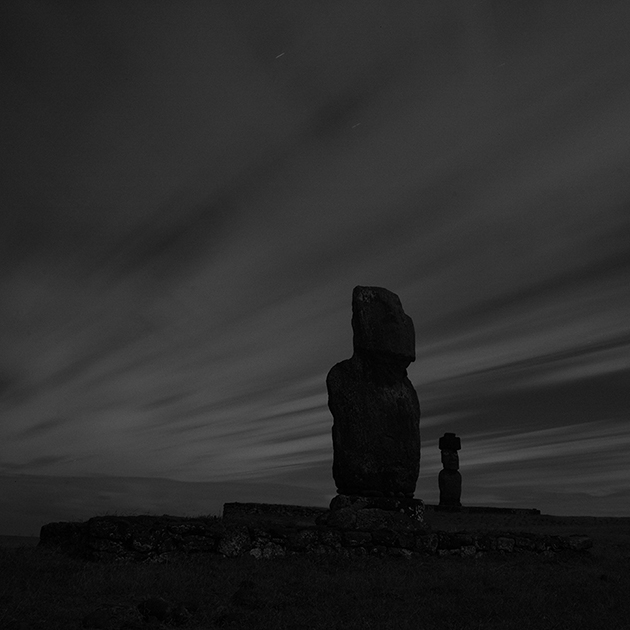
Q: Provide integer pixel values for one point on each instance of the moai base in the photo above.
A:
(450, 479)
(370, 514)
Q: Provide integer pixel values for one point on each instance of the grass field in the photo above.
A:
(41, 588)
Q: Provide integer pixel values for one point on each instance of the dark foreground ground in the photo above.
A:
(43, 589)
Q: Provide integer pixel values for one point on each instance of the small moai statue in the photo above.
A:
(450, 479)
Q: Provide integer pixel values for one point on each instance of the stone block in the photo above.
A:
(524, 543)
(273, 550)
(427, 543)
(168, 545)
(142, 545)
(378, 550)
(387, 537)
(302, 539)
(330, 537)
(62, 534)
(198, 543)
(343, 501)
(113, 528)
(577, 542)
(448, 541)
(409, 506)
(373, 518)
(356, 538)
(346, 518)
(403, 523)
(407, 540)
(235, 542)
(464, 538)
(108, 546)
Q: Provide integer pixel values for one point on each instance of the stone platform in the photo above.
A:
(276, 512)
(351, 526)
(480, 509)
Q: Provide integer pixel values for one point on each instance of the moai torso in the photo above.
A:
(450, 479)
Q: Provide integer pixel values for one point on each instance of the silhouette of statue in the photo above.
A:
(376, 413)
(450, 479)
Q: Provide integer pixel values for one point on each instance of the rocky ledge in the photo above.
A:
(352, 526)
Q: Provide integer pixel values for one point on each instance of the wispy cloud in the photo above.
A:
(191, 202)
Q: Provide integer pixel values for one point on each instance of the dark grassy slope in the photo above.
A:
(46, 590)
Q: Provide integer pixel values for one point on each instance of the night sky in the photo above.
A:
(191, 190)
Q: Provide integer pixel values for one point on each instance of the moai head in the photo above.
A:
(381, 327)
(449, 445)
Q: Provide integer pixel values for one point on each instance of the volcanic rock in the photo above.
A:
(376, 413)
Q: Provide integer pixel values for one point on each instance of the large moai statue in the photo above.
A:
(375, 409)
(450, 479)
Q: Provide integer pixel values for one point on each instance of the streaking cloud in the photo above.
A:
(193, 192)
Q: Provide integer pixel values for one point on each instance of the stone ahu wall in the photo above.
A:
(352, 526)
